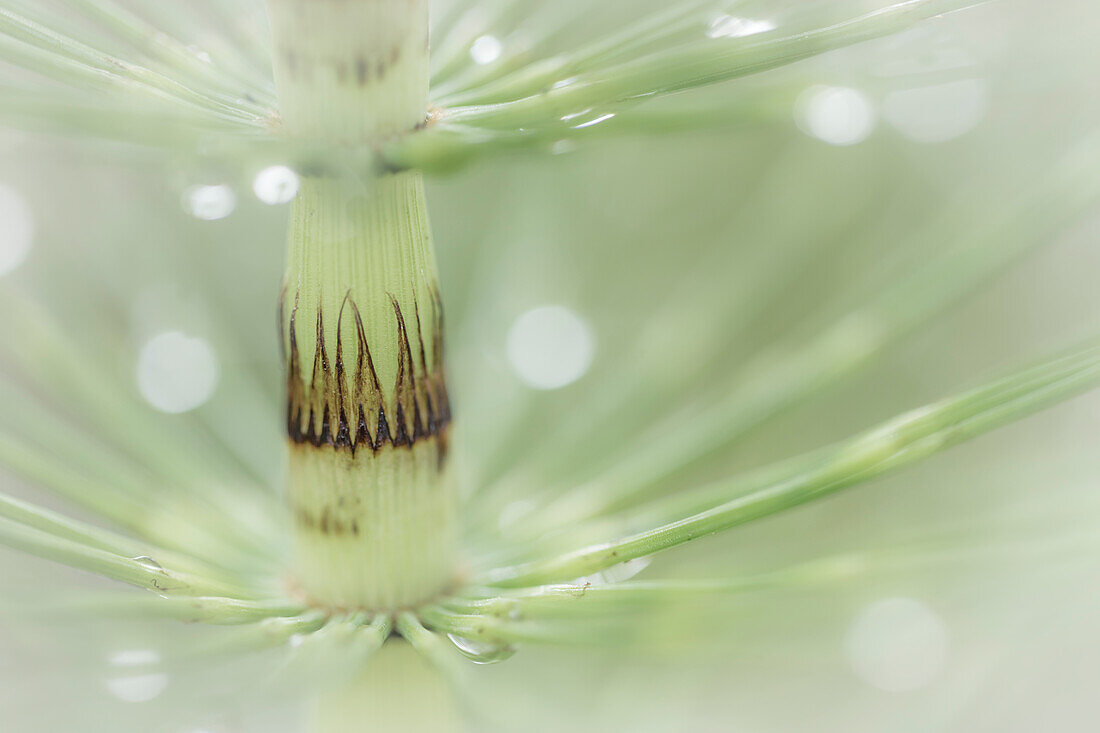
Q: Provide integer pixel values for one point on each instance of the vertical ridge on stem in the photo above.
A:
(361, 317)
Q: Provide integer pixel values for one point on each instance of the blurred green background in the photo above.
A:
(727, 242)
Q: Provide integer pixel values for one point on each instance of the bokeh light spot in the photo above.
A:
(131, 680)
(209, 203)
(16, 229)
(176, 372)
(835, 115)
(550, 347)
(486, 50)
(937, 113)
(897, 644)
(276, 184)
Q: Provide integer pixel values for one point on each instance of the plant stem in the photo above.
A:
(350, 72)
(361, 318)
(399, 691)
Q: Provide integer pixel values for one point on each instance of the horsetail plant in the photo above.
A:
(375, 537)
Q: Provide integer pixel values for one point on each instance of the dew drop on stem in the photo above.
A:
(149, 563)
(480, 652)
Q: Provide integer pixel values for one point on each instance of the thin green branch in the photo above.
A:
(213, 610)
(896, 443)
(791, 370)
(181, 524)
(502, 633)
(581, 601)
(156, 43)
(270, 632)
(48, 357)
(472, 21)
(337, 650)
(446, 146)
(243, 42)
(111, 118)
(492, 84)
(719, 59)
(435, 649)
(142, 571)
(88, 64)
(66, 528)
(110, 28)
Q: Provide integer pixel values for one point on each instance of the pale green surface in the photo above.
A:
(748, 247)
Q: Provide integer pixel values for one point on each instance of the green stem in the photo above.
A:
(400, 690)
(361, 318)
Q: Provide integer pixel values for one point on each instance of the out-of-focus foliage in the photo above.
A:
(901, 207)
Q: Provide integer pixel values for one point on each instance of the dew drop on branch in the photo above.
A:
(550, 347)
(176, 373)
(897, 644)
(16, 229)
(209, 202)
(148, 563)
(614, 574)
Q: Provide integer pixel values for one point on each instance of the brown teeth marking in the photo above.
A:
(348, 410)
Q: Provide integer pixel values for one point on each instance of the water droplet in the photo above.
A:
(575, 115)
(297, 640)
(176, 373)
(897, 644)
(937, 113)
(835, 115)
(135, 685)
(594, 121)
(276, 184)
(550, 347)
(615, 573)
(729, 26)
(486, 50)
(209, 202)
(16, 229)
(481, 652)
(148, 562)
